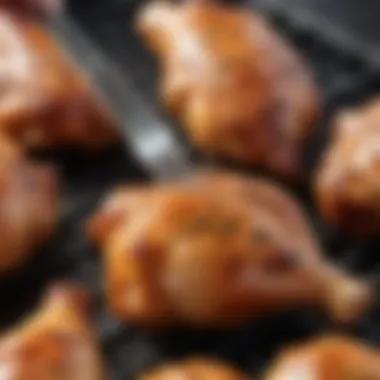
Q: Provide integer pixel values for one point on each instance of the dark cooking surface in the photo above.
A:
(343, 77)
(352, 24)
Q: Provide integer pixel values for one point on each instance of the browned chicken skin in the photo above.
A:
(327, 358)
(28, 206)
(238, 88)
(215, 251)
(54, 343)
(347, 183)
(45, 7)
(45, 102)
(195, 369)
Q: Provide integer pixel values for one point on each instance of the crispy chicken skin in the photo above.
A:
(54, 343)
(331, 357)
(241, 92)
(215, 250)
(40, 7)
(347, 183)
(28, 206)
(195, 369)
(45, 102)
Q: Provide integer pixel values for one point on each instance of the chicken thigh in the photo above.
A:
(332, 358)
(215, 251)
(45, 101)
(347, 184)
(240, 91)
(195, 369)
(54, 343)
(28, 206)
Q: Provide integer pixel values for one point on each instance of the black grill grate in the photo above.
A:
(343, 78)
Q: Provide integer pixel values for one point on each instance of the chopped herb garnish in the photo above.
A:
(229, 226)
(199, 225)
(260, 237)
(283, 263)
(59, 370)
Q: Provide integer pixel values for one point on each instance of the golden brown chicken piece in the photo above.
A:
(44, 7)
(54, 343)
(347, 184)
(239, 89)
(28, 206)
(332, 358)
(215, 251)
(195, 369)
(45, 102)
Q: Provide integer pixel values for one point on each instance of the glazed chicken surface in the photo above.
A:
(54, 343)
(327, 358)
(45, 101)
(215, 250)
(41, 7)
(241, 92)
(29, 206)
(347, 183)
(195, 369)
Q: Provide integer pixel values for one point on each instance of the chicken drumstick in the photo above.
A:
(45, 101)
(54, 343)
(240, 91)
(347, 184)
(331, 357)
(215, 250)
(195, 369)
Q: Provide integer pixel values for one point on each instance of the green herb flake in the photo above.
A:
(229, 226)
(199, 225)
(260, 237)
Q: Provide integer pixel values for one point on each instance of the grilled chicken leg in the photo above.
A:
(45, 102)
(238, 88)
(332, 358)
(55, 343)
(347, 184)
(28, 206)
(195, 369)
(215, 250)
